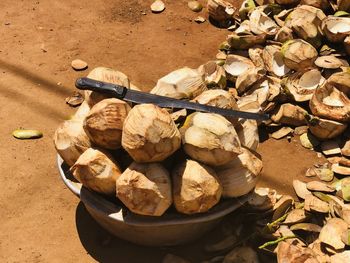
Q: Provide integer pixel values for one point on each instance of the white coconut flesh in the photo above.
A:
(236, 68)
(338, 27)
(333, 99)
(278, 66)
(310, 80)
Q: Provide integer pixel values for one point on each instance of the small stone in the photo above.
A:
(7, 23)
(43, 48)
(79, 64)
(199, 19)
(59, 83)
(23, 134)
(158, 6)
(330, 148)
(195, 6)
(75, 100)
(281, 133)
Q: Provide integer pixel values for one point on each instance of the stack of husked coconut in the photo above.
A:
(151, 158)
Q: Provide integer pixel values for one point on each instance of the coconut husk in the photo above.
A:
(273, 60)
(150, 134)
(284, 34)
(214, 75)
(321, 4)
(325, 129)
(244, 40)
(296, 216)
(247, 79)
(294, 254)
(196, 188)
(332, 231)
(314, 204)
(289, 114)
(300, 189)
(319, 187)
(336, 29)
(237, 65)
(255, 54)
(330, 147)
(247, 131)
(145, 189)
(283, 205)
(262, 199)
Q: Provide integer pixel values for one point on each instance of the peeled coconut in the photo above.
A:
(298, 54)
(248, 133)
(244, 40)
(260, 23)
(247, 79)
(302, 85)
(336, 29)
(106, 75)
(325, 129)
(237, 65)
(305, 21)
(214, 75)
(273, 60)
(330, 103)
(150, 134)
(145, 189)
(240, 176)
(210, 138)
(97, 171)
(104, 123)
(196, 188)
(321, 4)
(184, 83)
(71, 140)
(220, 11)
(289, 114)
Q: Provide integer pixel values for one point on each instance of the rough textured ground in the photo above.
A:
(41, 221)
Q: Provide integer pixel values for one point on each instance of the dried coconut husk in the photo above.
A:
(330, 62)
(97, 170)
(240, 176)
(196, 188)
(283, 205)
(106, 75)
(302, 85)
(210, 138)
(247, 79)
(296, 216)
(336, 29)
(300, 189)
(284, 34)
(305, 21)
(314, 204)
(221, 12)
(321, 4)
(347, 44)
(242, 255)
(260, 23)
(255, 54)
(237, 65)
(330, 103)
(287, 2)
(82, 112)
(287, 252)
(150, 134)
(71, 140)
(332, 231)
(262, 199)
(104, 123)
(343, 257)
(145, 189)
(298, 54)
(282, 16)
(289, 114)
(325, 129)
(217, 98)
(246, 7)
(184, 83)
(247, 131)
(214, 75)
(307, 227)
(340, 81)
(319, 187)
(273, 60)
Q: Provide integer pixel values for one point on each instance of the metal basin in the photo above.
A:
(167, 230)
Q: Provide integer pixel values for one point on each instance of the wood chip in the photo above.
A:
(313, 204)
(300, 189)
(79, 64)
(284, 131)
(158, 6)
(23, 134)
(319, 187)
(330, 148)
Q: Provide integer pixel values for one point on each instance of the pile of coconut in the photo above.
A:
(151, 158)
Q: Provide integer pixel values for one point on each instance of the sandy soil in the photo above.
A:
(41, 221)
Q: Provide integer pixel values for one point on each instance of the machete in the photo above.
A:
(138, 97)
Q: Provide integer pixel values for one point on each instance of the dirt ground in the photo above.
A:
(41, 221)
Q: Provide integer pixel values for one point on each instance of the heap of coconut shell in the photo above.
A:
(151, 158)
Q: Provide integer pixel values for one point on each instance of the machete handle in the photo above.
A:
(113, 90)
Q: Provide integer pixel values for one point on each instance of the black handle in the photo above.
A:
(113, 90)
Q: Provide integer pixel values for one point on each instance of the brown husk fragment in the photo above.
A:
(332, 231)
(289, 114)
